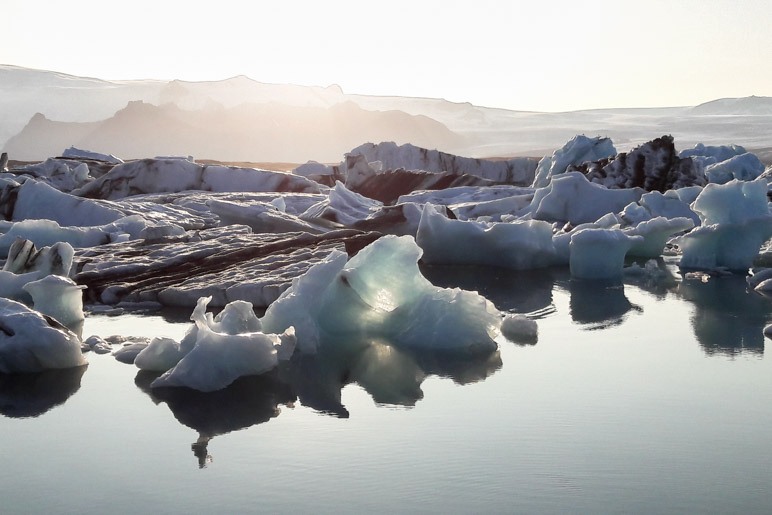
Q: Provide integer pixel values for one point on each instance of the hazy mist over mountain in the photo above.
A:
(240, 119)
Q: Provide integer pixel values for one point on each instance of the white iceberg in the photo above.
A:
(575, 152)
(77, 153)
(736, 221)
(58, 297)
(226, 347)
(32, 342)
(520, 245)
(570, 197)
(26, 264)
(743, 167)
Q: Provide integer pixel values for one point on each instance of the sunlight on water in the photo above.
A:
(653, 396)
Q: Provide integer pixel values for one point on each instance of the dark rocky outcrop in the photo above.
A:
(653, 166)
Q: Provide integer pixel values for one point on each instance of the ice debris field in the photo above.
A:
(330, 254)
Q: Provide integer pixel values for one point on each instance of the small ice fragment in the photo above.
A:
(519, 329)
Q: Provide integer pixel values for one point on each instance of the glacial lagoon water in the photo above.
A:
(650, 396)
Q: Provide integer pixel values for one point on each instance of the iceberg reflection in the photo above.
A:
(246, 402)
(31, 395)
(728, 319)
(517, 291)
(599, 304)
(390, 375)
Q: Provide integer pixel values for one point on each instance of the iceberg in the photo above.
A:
(226, 347)
(570, 197)
(599, 253)
(653, 166)
(577, 151)
(58, 297)
(380, 294)
(26, 264)
(390, 156)
(761, 280)
(520, 245)
(519, 328)
(342, 206)
(743, 167)
(77, 153)
(712, 154)
(655, 234)
(736, 221)
(63, 174)
(32, 342)
(175, 175)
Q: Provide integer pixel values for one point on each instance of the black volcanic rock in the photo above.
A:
(653, 166)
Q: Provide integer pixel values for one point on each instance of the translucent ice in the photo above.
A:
(381, 294)
(656, 232)
(599, 253)
(735, 223)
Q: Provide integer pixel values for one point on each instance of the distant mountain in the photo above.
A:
(736, 106)
(274, 132)
(58, 96)
(240, 119)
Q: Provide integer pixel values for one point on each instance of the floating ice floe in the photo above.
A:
(744, 167)
(342, 206)
(599, 253)
(520, 245)
(77, 153)
(520, 329)
(228, 263)
(736, 221)
(519, 170)
(174, 175)
(32, 342)
(712, 154)
(43, 232)
(58, 297)
(225, 349)
(578, 150)
(26, 264)
(62, 174)
(388, 185)
(381, 294)
(570, 197)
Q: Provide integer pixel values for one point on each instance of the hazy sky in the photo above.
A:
(532, 55)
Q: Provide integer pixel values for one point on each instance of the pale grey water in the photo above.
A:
(649, 398)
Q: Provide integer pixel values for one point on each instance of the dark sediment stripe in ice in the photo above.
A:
(229, 263)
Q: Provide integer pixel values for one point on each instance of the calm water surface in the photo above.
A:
(646, 397)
